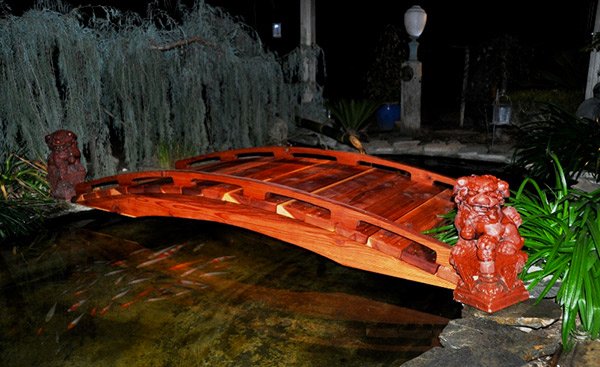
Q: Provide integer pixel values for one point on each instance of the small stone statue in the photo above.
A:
(64, 168)
(590, 108)
(487, 256)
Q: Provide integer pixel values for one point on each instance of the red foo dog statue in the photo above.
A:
(64, 168)
(487, 256)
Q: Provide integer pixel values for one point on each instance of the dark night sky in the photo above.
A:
(348, 31)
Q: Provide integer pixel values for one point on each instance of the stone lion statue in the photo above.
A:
(488, 232)
(64, 167)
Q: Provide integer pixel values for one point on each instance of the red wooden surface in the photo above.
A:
(358, 210)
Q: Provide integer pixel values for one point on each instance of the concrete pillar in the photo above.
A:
(307, 50)
(594, 67)
(411, 98)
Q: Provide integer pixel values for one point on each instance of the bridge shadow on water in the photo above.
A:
(99, 289)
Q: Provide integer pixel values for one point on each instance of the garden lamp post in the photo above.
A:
(414, 22)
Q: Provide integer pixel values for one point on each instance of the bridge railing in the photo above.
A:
(342, 217)
(346, 158)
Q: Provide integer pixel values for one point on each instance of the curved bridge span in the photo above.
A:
(358, 210)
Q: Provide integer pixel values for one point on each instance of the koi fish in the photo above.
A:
(104, 309)
(192, 283)
(150, 262)
(212, 274)
(121, 294)
(74, 323)
(144, 293)
(127, 304)
(93, 312)
(166, 252)
(51, 312)
(156, 299)
(121, 263)
(184, 265)
(221, 259)
(188, 272)
(119, 279)
(79, 292)
(138, 251)
(198, 247)
(76, 305)
(139, 280)
(114, 272)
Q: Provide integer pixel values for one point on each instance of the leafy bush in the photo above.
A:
(25, 195)
(561, 228)
(575, 141)
(352, 115)
(22, 178)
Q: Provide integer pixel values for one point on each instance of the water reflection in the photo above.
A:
(105, 290)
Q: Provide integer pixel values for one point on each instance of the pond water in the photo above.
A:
(104, 290)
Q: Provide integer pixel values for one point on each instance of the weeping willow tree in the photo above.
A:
(127, 86)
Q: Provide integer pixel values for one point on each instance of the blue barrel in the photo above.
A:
(387, 115)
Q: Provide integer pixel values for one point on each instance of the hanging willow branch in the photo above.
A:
(96, 76)
(182, 43)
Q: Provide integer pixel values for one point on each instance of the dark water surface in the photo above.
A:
(105, 290)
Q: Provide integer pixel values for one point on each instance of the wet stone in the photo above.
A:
(464, 357)
(488, 336)
(528, 314)
(378, 147)
(407, 146)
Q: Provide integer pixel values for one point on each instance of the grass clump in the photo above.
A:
(25, 195)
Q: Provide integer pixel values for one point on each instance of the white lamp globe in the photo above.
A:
(414, 21)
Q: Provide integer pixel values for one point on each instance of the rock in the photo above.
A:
(525, 314)
(378, 147)
(436, 147)
(407, 146)
(488, 336)
(307, 137)
(464, 357)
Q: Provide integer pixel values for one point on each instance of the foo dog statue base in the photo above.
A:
(490, 297)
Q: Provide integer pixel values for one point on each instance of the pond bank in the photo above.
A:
(523, 335)
(459, 144)
(526, 334)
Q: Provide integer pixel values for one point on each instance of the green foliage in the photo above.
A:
(169, 152)
(446, 231)
(561, 228)
(25, 195)
(124, 84)
(552, 130)
(22, 178)
(352, 115)
(22, 216)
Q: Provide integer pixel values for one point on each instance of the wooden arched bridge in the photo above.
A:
(358, 210)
